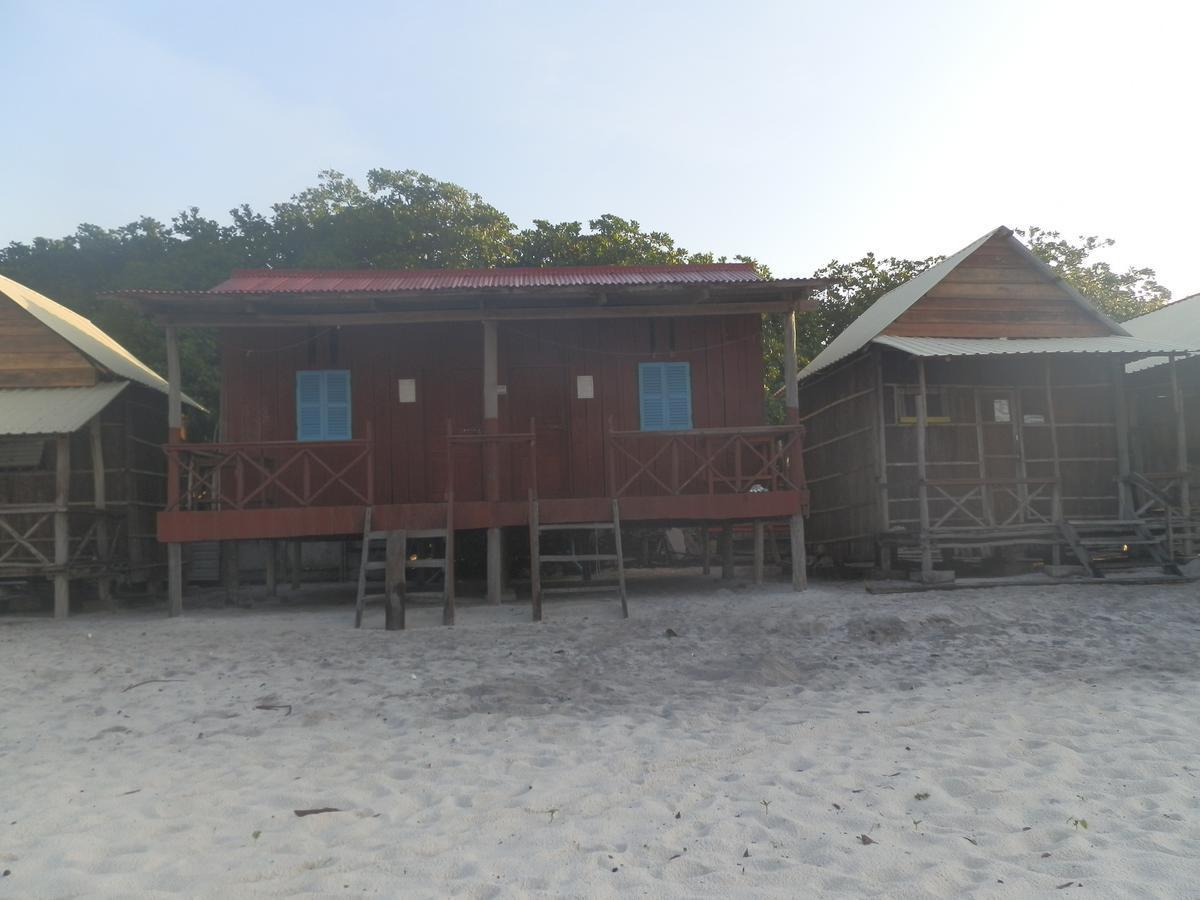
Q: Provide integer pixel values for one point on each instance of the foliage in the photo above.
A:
(1122, 295)
(405, 219)
(854, 287)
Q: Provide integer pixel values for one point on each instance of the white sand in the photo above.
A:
(594, 756)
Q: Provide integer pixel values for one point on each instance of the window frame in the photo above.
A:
(668, 424)
(323, 404)
(903, 392)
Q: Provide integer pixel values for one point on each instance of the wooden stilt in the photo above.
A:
(616, 516)
(796, 462)
(270, 575)
(759, 551)
(174, 579)
(62, 534)
(799, 553)
(535, 558)
(100, 504)
(360, 603)
(495, 550)
(448, 611)
(727, 551)
(230, 574)
(395, 587)
(706, 541)
(295, 562)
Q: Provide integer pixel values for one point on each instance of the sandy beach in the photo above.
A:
(990, 743)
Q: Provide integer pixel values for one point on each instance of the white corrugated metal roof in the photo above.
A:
(1177, 322)
(1114, 343)
(54, 410)
(884, 311)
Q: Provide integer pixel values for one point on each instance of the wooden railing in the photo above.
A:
(705, 461)
(27, 537)
(994, 502)
(270, 474)
(1164, 499)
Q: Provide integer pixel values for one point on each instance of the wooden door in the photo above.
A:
(1000, 453)
(540, 393)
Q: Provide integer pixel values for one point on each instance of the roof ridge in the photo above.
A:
(611, 267)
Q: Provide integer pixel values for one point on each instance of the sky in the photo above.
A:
(793, 132)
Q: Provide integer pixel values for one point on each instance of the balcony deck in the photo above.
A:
(278, 490)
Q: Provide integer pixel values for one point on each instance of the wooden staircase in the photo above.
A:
(584, 542)
(392, 554)
(1101, 545)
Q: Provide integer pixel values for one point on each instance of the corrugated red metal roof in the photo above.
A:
(257, 281)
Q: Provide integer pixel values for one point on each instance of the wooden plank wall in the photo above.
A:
(539, 362)
(996, 293)
(840, 458)
(32, 355)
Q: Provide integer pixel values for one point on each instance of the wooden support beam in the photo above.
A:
(706, 536)
(491, 457)
(100, 504)
(880, 410)
(174, 436)
(62, 526)
(922, 480)
(727, 551)
(791, 385)
(395, 584)
(535, 557)
(1181, 459)
(1121, 411)
(230, 574)
(799, 553)
(759, 550)
(1052, 421)
(270, 573)
(295, 564)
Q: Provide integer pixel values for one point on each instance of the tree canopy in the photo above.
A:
(405, 219)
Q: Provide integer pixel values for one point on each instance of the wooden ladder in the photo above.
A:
(396, 564)
(578, 532)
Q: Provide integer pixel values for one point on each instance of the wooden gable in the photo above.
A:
(33, 355)
(993, 293)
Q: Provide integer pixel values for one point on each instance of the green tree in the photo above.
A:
(1122, 295)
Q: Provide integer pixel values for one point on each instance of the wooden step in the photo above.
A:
(579, 557)
(585, 527)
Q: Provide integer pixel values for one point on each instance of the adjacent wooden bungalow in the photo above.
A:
(1165, 420)
(81, 472)
(414, 405)
(979, 406)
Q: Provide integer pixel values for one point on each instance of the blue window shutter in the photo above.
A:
(337, 405)
(665, 396)
(323, 406)
(652, 395)
(678, 379)
(309, 424)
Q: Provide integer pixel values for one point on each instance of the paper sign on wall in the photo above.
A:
(585, 388)
(408, 390)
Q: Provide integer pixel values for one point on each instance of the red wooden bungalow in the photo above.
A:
(498, 399)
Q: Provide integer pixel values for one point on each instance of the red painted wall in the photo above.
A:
(539, 362)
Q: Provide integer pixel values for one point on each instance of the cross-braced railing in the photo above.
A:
(27, 538)
(271, 474)
(705, 461)
(994, 502)
(1164, 499)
